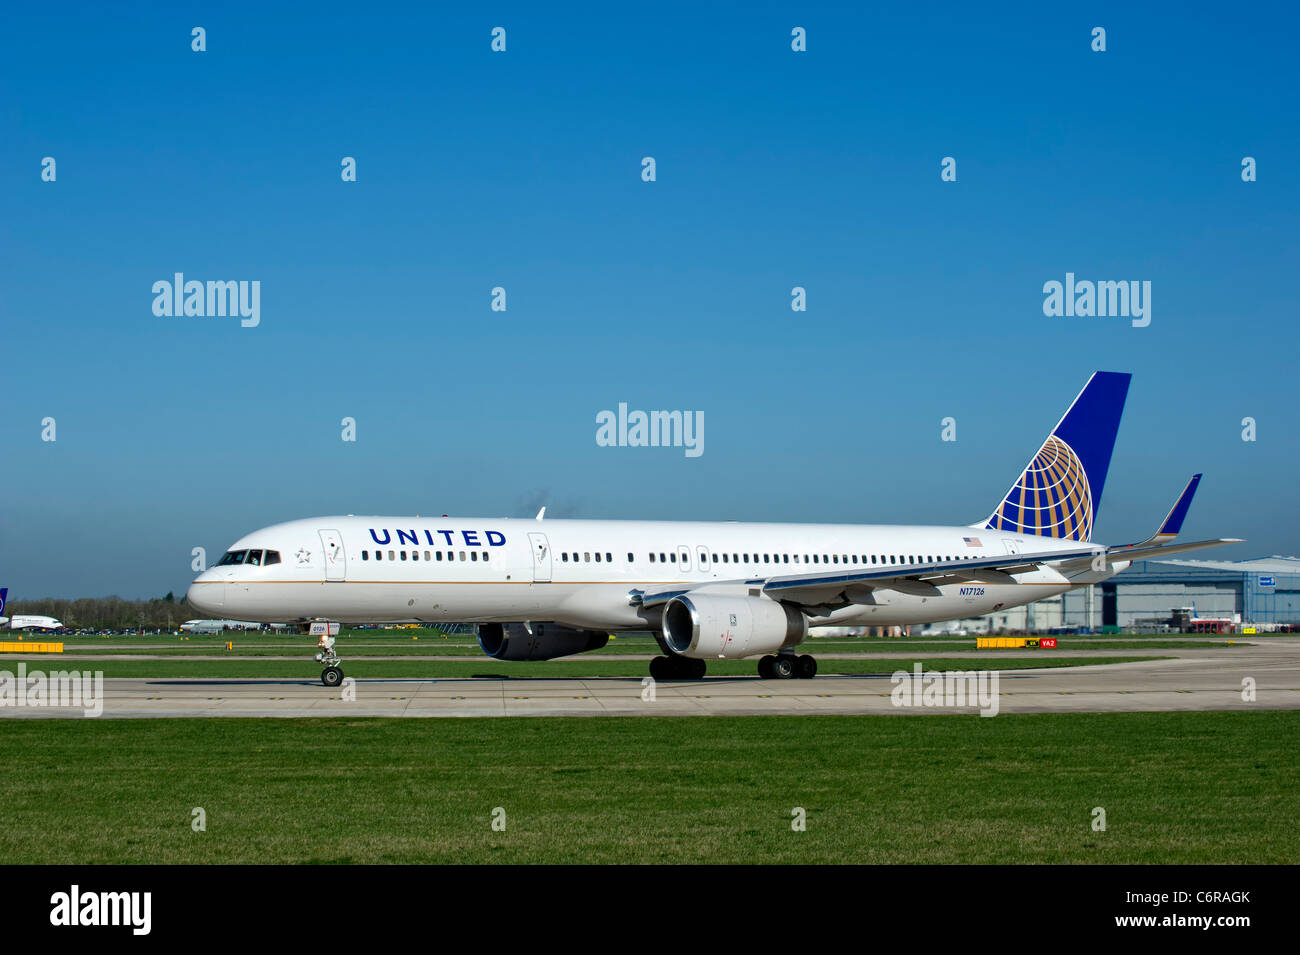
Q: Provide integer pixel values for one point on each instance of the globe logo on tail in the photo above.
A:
(1052, 497)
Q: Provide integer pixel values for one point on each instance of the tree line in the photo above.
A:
(109, 613)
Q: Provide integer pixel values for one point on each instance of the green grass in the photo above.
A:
(549, 669)
(1176, 787)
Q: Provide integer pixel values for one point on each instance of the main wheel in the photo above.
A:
(783, 666)
(331, 676)
(697, 669)
(805, 668)
(765, 667)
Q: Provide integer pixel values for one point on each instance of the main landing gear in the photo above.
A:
(332, 675)
(787, 666)
(677, 668)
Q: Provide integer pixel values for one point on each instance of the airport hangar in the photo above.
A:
(1262, 592)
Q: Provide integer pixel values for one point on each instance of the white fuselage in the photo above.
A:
(580, 573)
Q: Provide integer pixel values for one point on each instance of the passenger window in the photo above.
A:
(661, 557)
(392, 556)
(426, 555)
(598, 557)
(629, 557)
(609, 558)
(438, 554)
(587, 556)
(403, 553)
(564, 557)
(365, 555)
(462, 555)
(652, 557)
(485, 556)
(415, 555)
(673, 557)
(473, 555)
(379, 555)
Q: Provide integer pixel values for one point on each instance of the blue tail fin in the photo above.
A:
(4, 595)
(1059, 492)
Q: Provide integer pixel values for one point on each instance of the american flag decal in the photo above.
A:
(972, 542)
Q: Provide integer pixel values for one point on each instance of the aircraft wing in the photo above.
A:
(822, 590)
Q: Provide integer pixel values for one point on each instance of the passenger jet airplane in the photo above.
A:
(541, 589)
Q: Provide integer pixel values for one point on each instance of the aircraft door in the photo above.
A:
(1013, 547)
(702, 558)
(541, 558)
(336, 558)
(683, 557)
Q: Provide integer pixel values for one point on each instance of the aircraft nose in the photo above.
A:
(207, 596)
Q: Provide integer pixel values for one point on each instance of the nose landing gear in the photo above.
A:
(332, 675)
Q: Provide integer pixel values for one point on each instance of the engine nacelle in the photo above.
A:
(536, 641)
(713, 626)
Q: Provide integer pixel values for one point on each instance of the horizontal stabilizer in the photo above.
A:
(1156, 551)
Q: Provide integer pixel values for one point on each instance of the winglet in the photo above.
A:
(541, 514)
(1173, 522)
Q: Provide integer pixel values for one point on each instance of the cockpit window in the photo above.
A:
(257, 558)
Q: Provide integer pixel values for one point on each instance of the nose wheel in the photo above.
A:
(332, 675)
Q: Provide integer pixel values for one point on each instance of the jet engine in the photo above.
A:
(729, 627)
(536, 641)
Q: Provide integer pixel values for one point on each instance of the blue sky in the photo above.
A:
(522, 170)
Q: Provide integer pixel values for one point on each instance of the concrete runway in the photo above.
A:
(1201, 679)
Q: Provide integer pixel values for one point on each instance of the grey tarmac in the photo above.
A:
(1201, 679)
